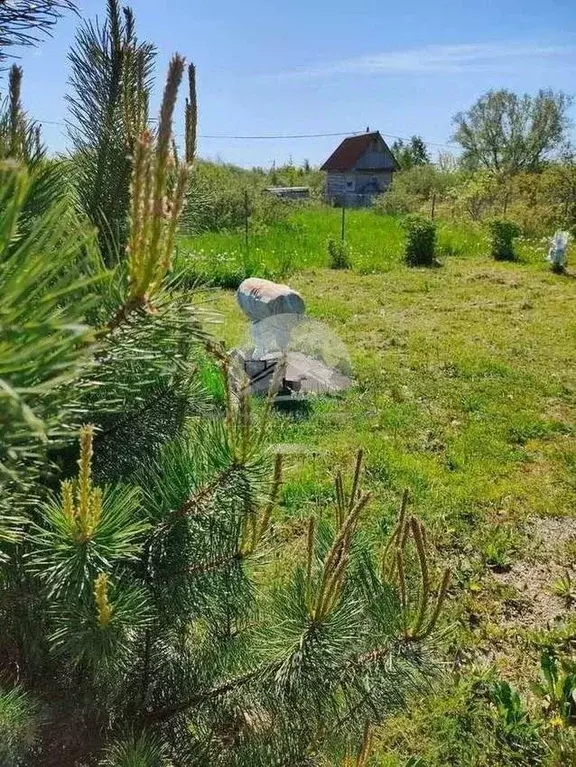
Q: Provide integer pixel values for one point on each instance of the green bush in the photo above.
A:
(420, 240)
(412, 191)
(395, 202)
(218, 193)
(502, 235)
(339, 254)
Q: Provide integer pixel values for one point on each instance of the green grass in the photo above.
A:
(375, 243)
(299, 242)
(465, 382)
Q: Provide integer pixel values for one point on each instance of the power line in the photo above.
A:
(50, 122)
(452, 145)
(282, 136)
(222, 136)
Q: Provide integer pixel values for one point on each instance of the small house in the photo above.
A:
(360, 168)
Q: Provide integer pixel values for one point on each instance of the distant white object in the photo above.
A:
(274, 310)
(557, 251)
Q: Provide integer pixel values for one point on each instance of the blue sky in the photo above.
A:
(267, 67)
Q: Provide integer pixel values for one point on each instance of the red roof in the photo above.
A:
(350, 151)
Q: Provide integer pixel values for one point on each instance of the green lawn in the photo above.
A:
(465, 377)
(300, 241)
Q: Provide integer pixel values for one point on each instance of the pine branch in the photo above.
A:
(146, 668)
(111, 81)
(216, 564)
(194, 501)
(23, 23)
(15, 110)
(191, 116)
(169, 712)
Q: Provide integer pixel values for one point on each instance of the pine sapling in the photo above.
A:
(420, 619)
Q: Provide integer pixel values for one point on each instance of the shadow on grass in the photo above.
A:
(298, 408)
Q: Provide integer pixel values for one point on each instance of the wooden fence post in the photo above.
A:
(246, 221)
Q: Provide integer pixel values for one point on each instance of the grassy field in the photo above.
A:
(465, 377)
(300, 242)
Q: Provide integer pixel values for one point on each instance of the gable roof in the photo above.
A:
(351, 150)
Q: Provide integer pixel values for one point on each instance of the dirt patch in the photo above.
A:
(551, 534)
(534, 603)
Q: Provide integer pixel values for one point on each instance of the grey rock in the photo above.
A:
(260, 299)
(273, 310)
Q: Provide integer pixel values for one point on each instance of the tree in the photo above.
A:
(21, 140)
(111, 81)
(23, 22)
(477, 193)
(508, 133)
(140, 622)
(411, 154)
(142, 618)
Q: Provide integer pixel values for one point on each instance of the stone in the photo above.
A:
(301, 375)
(309, 376)
(260, 299)
(273, 310)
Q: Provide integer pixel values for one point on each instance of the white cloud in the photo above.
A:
(433, 59)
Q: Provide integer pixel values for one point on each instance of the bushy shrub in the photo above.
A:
(220, 196)
(396, 202)
(502, 235)
(339, 254)
(420, 240)
(412, 190)
(218, 193)
(537, 202)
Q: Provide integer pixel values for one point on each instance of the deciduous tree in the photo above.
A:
(412, 153)
(508, 133)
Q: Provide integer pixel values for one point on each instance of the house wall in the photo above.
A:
(355, 182)
(373, 159)
(338, 183)
(382, 179)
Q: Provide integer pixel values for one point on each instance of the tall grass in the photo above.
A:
(299, 241)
